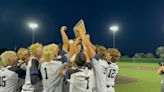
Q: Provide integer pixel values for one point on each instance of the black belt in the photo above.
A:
(108, 86)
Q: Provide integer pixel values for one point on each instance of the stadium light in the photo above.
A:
(33, 26)
(114, 29)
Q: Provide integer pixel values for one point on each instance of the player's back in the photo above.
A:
(81, 80)
(29, 85)
(99, 67)
(8, 79)
(51, 78)
(111, 73)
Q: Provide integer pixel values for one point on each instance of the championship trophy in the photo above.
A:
(79, 25)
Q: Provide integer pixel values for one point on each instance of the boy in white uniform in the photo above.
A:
(80, 77)
(10, 73)
(99, 63)
(50, 68)
(112, 69)
(33, 76)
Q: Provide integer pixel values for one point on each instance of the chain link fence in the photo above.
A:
(143, 60)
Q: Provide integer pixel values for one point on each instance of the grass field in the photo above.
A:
(147, 80)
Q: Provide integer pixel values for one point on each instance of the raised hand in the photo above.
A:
(63, 28)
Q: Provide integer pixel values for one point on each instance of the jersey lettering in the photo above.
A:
(2, 81)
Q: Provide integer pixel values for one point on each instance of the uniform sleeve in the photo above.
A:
(64, 59)
(70, 72)
(62, 52)
(21, 73)
(96, 57)
(34, 72)
(89, 65)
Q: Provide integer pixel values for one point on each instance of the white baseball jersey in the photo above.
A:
(93, 81)
(100, 67)
(51, 78)
(1, 66)
(81, 80)
(28, 86)
(9, 77)
(110, 89)
(111, 73)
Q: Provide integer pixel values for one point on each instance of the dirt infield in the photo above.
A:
(123, 80)
(140, 68)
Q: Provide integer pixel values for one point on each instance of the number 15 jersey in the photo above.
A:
(9, 77)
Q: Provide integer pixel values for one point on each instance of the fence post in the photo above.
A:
(133, 59)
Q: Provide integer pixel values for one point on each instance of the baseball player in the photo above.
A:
(50, 68)
(80, 77)
(33, 76)
(112, 56)
(24, 56)
(98, 62)
(161, 72)
(10, 73)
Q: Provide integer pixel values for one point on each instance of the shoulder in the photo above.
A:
(74, 71)
(16, 70)
(103, 62)
(116, 66)
(63, 59)
(34, 62)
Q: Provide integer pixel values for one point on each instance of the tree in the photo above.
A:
(143, 55)
(149, 55)
(139, 55)
(160, 51)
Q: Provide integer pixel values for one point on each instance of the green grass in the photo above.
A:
(147, 80)
(137, 64)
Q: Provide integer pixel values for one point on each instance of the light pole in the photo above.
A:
(114, 29)
(33, 26)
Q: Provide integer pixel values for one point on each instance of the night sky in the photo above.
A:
(141, 22)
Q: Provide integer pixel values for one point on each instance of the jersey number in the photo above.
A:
(111, 73)
(87, 82)
(2, 81)
(46, 73)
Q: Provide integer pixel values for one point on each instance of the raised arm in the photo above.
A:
(64, 38)
(86, 52)
(87, 43)
(72, 48)
(94, 47)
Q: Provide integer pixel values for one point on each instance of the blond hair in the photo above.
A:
(33, 47)
(21, 51)
(50, 52)
(115, 53)
(101, 51)
(6, 55)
